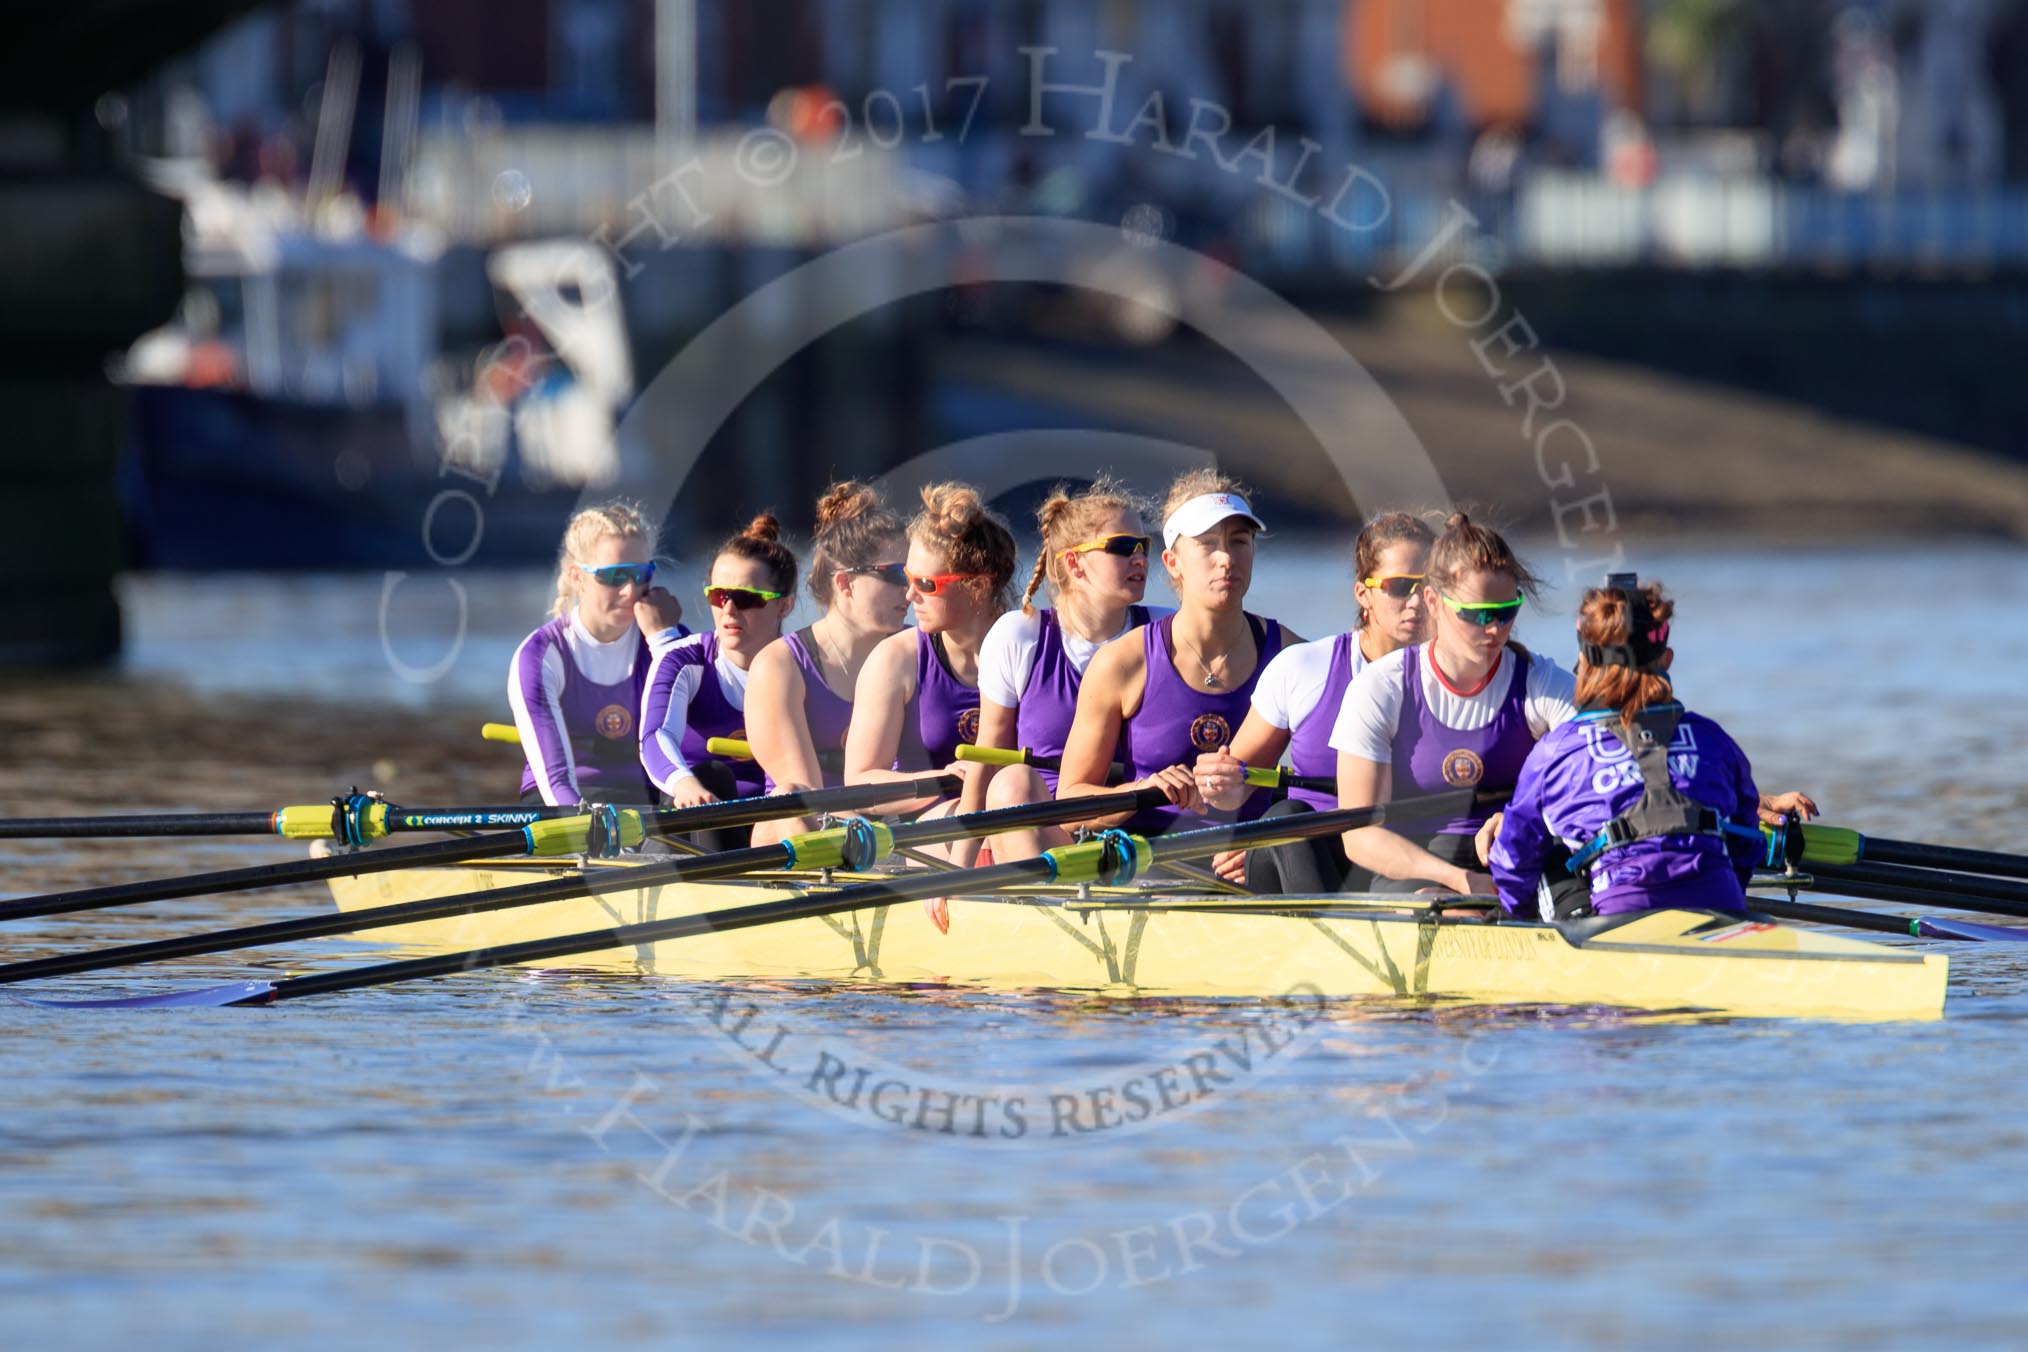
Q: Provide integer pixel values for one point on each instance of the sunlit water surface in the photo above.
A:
(536, 1159)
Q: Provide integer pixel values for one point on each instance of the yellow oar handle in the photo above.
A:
(732, 748)
(1264, 776)
(500, 732)
(314, 821)
(573, 835)
(991, 755)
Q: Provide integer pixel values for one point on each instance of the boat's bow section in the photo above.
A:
(1752, 965)
(1263, 947)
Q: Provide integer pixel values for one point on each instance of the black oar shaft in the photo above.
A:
(257, 876)
(1917, 855)
(803, 907)
(140, 824)
(1832, 915)
(175, 824)
(1913, 896)
(1935, 882)
(571, 886)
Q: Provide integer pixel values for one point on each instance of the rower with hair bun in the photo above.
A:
(918, 694)
(1637, 803)
(799, 688)
(576, 683)
(697, 688)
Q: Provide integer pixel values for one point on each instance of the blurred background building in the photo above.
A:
(393, 213)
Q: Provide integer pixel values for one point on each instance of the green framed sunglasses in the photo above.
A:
(1486, 614)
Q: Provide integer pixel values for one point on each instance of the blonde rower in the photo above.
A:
(1095, 559)
(575, 684)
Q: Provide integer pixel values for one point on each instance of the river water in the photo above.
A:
(524, 1159)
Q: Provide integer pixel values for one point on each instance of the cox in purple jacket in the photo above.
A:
(1580, 776)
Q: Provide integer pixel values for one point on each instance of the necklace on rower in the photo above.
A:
(1213, 678)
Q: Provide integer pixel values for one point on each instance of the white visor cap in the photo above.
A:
(1201, 513)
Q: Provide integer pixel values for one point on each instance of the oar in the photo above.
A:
(1258, 776)
(1948, 890)
(856, 845)
(360, 814)
(1919, 927)
(1814, 844)
(1114, 857)
(736, 748)
(562, 836)
(500, 732)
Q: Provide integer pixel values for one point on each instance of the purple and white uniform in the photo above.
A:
(1176, 723)
(1300, 692)
(1399, 712)
(577, 704)
(942, 712)
(1580, 776)
(827, 714)
(1028, 664)
(695, 693)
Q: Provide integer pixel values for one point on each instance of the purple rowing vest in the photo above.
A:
(1049, 699)
(943, 712)
(1310, 750)
(1176, 723)
(601, 722)
(1439, 759)
(828, 714)
(712, 715)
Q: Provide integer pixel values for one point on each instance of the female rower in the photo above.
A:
(1161, 695)
(1298, 698)
(697, 687)
(576, 683)
(1458, 713)
(918, 694)
(1095, 559)
(1659, 801)
(799, 689)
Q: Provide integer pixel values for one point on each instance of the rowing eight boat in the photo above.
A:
(1145, 942)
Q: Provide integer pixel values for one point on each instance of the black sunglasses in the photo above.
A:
(894, 574)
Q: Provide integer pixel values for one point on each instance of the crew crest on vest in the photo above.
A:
(1616, 765)
(968, 726)
(1463, 768)
(1208, 732)
(614, 722)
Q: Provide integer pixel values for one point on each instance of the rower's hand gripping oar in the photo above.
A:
(556, 837)
(1257, 776)
(854, 845)
(1114, 857)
